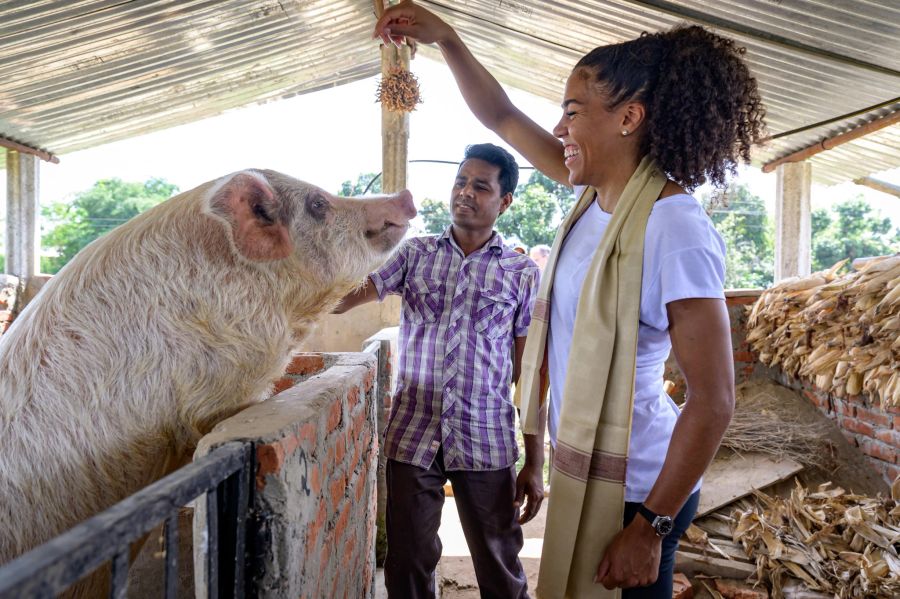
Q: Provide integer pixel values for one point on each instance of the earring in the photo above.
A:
(624, 131)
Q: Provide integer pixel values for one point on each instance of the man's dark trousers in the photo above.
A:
(484, 501)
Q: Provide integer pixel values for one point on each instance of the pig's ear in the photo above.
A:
(254, 213)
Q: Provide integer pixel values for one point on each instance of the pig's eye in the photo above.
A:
(317, 206)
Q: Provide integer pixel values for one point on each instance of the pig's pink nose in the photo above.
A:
(404, 201)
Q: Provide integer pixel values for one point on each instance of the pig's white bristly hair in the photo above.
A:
(146, 339)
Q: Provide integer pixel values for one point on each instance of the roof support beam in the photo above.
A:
(831, 142)
(793, 220)
(882, 186)
(9, 144)
(394, 125)
(22, 210)
(752, 32)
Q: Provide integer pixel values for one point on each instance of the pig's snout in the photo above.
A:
(391, 212)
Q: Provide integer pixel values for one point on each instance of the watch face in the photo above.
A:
(663, 525)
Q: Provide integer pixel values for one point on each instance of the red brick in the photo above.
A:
(340, 450)
(369, 381)
(744, 356)
(283, 384)
(334, 416)
(359, 422)
(306, 364)
(873, 416)
(349, 549)
(315, 478)
(735, 589)
(857, 399)
(307, 434)
(314, 528)
(681, 587)
(270, 458)
(353, 397)
(896, 422)
(360, 488)
(857, 426)
(878, 450)
(336, 487)
(888, 436)
(341, 525)
(842, 407)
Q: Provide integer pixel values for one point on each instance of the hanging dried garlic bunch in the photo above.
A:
(399, 91)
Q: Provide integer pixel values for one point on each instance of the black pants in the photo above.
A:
(490, 522)
(662, 588)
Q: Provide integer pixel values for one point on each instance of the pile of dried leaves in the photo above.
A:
(841, 332)
(759, 425)
(834, 541)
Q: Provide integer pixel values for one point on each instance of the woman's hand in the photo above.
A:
(632, 557)
(410, 20)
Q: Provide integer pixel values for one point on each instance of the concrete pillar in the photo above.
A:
(793, 220)
(394, 127)
(22, 210)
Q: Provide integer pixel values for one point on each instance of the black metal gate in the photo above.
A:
(223, 478)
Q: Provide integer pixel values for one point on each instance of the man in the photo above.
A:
(467, 301)
(540, 253)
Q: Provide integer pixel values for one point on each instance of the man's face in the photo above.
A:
(476, 202)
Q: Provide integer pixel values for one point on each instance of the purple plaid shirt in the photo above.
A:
(460, 315)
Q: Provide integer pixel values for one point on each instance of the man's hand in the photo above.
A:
(409, 20)
(530, 485)
(632, 558)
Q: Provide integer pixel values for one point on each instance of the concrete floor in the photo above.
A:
(455, 574)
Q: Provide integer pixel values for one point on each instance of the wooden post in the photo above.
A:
(793, 220)
(394, 127)
(22, 209)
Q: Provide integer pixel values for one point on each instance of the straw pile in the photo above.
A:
(398, 91)
(841, 332)
(833, 541)
(760, 424)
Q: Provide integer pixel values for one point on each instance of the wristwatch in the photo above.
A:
(661, 524)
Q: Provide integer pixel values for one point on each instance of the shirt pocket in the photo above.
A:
(493, 313)
(423, 301)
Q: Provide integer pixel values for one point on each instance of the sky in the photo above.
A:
(333, 135)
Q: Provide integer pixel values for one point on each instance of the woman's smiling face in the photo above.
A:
(591, 133)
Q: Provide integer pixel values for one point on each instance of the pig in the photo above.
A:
(163, 327)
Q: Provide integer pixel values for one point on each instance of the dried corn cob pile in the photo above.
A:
(841, 332)
(833, 541)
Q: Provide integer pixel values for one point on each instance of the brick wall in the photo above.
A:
(875, 431)
(317, 455)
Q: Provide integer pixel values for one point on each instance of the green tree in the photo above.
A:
(532, 218)
(348, 188)
(436, 215)
(851, 229)
(109, 203)
(744, 225)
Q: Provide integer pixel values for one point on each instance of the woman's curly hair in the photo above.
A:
(703, 110)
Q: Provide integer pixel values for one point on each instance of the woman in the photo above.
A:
(644, 122)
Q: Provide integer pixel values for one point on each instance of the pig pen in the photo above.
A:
(313, 507)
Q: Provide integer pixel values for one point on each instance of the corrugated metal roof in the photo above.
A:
(81, 73)
(85, 72)
(533, 46)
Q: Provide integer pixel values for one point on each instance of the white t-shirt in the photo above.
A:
(684, 257)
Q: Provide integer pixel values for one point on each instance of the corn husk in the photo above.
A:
(840, 332)
(830, 540)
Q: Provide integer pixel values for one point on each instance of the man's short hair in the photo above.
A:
(540, 250)
(509, 170)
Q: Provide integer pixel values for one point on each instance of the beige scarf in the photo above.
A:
(588, 476)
